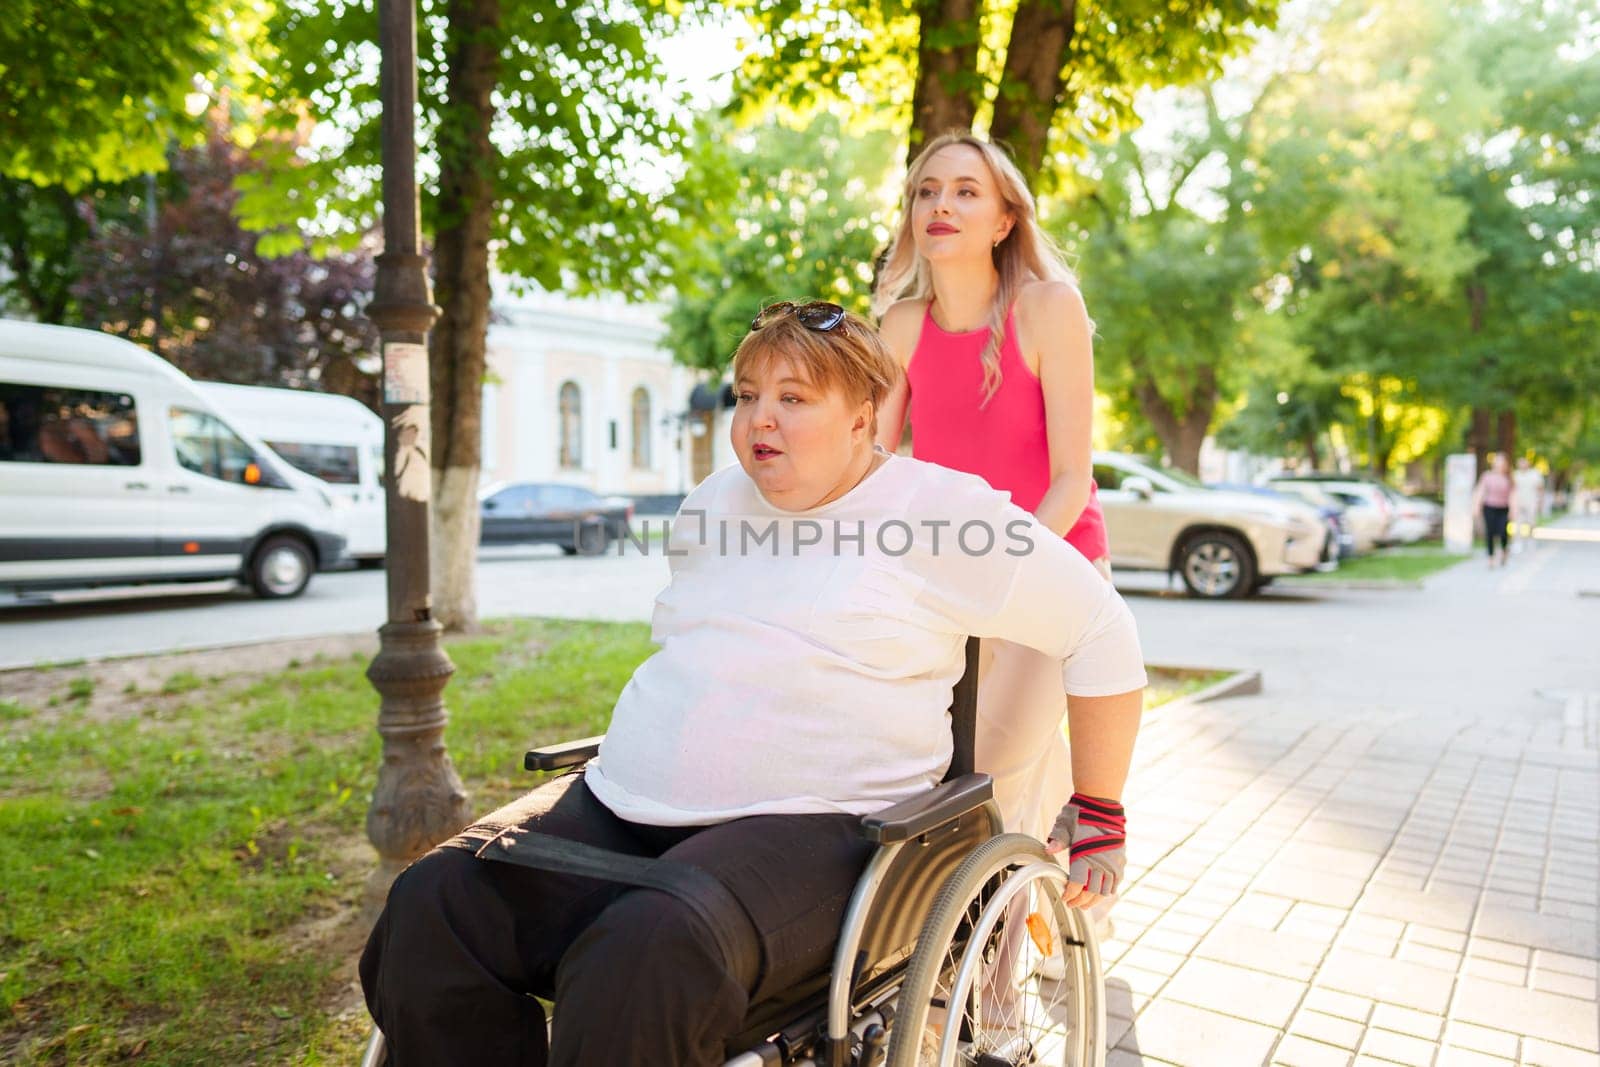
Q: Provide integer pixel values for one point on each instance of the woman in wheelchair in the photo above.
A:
(822, 591)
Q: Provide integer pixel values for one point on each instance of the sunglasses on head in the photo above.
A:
(818, 315)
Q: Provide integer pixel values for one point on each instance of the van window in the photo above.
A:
(338, 464)
(205, 445)
(46, 424)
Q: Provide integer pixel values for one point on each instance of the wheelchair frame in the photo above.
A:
(881, 934)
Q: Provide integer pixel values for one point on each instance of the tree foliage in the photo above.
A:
(1432, 193)
(539, 124)
(93, 90)
(1039, 74)
(785, 214)
(197, 291)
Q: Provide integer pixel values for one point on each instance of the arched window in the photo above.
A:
(571, 426)
(641, 429)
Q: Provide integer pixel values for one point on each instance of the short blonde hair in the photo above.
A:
(850, 357)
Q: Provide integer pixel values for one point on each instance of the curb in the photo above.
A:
(1239, 682)
(1379, 584)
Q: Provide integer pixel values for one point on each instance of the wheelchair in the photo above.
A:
(940, 958)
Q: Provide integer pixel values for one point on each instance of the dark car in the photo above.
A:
(549, 513)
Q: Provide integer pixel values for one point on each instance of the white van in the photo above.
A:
(337, 439)
(115, 470)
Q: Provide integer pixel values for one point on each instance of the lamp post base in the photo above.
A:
(419, 800)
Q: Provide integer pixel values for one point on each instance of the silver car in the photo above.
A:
(1224, 544)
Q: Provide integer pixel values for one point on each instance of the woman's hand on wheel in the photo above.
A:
(1095, 832)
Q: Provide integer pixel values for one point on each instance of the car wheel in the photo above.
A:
(281, 567)
(1218, 565)
(593, 539)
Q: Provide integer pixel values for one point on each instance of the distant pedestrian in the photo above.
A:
(1527, 501)
(1493, 496)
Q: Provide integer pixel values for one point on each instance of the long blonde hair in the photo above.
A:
(1025, 254)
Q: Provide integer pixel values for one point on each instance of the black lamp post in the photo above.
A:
(419, 800)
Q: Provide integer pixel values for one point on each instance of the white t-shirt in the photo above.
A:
(807, 658)
(1528, 483)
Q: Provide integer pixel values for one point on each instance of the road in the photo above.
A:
(1302, 637)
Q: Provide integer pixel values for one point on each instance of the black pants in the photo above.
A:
(1494, 527)
(465, 944)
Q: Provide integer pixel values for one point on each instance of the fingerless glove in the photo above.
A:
(1095, 833)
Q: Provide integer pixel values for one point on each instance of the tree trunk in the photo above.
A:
(1478, 437)
(947, 90)
(1032, 86)
(461, 262)
(1309, 442)
(1181, 435)
(1506, 433)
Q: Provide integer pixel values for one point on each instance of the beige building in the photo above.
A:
(582, 392)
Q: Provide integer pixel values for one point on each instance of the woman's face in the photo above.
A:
(802, 445)
(956, 208)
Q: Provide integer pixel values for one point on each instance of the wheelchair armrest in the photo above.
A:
(566, 754)
(914, 817)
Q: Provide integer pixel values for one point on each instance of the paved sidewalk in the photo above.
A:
(1337, 873)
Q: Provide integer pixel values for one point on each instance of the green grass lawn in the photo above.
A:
(182, 865)
(1409, 563)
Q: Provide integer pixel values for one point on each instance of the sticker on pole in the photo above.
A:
(405, 373)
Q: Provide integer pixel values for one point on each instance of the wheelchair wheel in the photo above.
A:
(974, 994)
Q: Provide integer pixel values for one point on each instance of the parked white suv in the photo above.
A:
(1224, 544)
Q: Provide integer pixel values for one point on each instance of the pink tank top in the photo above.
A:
(1003, 441)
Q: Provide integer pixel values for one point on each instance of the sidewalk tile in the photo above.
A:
(1449, 940)
(1405, 1021)
(1272, 951)
(1116, 1028)
(1410, 985)
(1153, 959)
(1119, 1058)
(1569, 985)
(1486, 949)
(1309, 929)
(1341, 1005)
(1201, 908)
(1448, 909)
(1525, 927)
(1527, 1011)
(1328, 1029)
(1260, 909)
(1398, 1048)
(1248, 994)
(1536, 1053)
(1373, 943)
(1144, 983)
(1443, 959)
(1375, 926)
(1567, 910)
(1582, 966)
(1495, 971)
(1197, 1038)
(1450, 1056)
(1303, 1052)
(1313, 884)
(1169, 941)
(1135, 914)
(1187, 924)
(1319, 914)
(1480, 1038)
